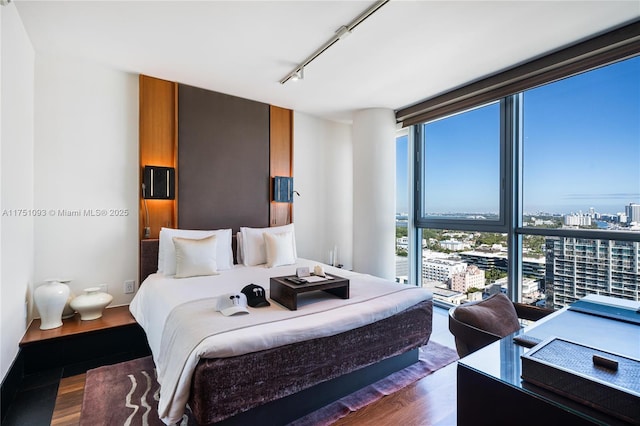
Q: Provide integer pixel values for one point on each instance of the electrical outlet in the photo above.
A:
(104, 288)
(129, 286)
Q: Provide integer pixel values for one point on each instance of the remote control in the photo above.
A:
(526, 341)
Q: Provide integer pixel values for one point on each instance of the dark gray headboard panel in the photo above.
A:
(223, 160)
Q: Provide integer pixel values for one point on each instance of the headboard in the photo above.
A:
(223, 173)
(148, 258)
(223, 161)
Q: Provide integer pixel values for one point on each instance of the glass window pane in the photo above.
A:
(461, 166)
(582, 150)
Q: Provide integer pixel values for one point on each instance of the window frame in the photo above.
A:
(424, 221)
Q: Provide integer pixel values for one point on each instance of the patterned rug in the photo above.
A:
(128, 393)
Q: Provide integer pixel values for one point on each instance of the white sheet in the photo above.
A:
(371, 299)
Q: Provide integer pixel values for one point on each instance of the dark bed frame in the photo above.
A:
(277, 386)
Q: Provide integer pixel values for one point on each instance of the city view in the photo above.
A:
(580, 170)
(462, 266)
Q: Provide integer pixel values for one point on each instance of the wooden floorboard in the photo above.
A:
(429, 401)
(69, 401)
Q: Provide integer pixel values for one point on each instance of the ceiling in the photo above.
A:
(405, 52)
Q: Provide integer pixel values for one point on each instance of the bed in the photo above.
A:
(272, 362)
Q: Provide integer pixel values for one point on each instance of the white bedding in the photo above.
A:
(318, 315)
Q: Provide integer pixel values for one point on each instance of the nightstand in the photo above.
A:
(115, 335)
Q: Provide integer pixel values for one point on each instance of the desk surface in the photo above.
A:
(501, 360)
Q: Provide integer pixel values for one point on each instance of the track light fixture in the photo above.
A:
(341, 33)
(297, 75)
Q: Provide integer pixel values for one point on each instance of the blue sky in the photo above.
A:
(581, 148)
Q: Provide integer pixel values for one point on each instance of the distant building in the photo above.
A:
(633, 213)
(485, 259)
(402, 269)
(442, 293)
(402, 242)
(531, 266)
(530, 289)
(540, 222)
(472, 277)
(454, 245)
(577, 219)
(441, 269)
(576, 267)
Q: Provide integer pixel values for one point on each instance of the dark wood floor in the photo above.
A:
(429, 401)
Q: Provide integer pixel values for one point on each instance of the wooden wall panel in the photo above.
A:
(158, 146)
(281, 160)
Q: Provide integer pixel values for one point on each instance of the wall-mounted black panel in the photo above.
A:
(223, 160)
(159, 183)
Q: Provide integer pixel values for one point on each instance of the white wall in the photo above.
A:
(86, 161)
(323, 214)
(16, 181)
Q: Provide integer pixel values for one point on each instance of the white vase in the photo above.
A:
(91, 304)
(68, 311)
(50, 299)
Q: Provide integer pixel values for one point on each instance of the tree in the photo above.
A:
(494, 274)
(491, 239)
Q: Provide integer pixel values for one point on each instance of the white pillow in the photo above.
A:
(195, 257)
(167, 252)
(279, 249)
(253, 250)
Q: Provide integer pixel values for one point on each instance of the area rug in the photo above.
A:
(128, 393)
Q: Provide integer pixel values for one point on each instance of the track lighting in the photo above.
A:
(341, 34)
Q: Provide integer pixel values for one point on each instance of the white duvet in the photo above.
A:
(318, 315)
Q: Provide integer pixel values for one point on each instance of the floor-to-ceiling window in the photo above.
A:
(536, 194)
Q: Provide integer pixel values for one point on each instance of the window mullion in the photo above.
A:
(512, 116)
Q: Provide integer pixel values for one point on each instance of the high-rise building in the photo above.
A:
(577, 219)
(576, 267)
(633, 213)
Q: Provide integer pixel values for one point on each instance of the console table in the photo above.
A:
(491, 392)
